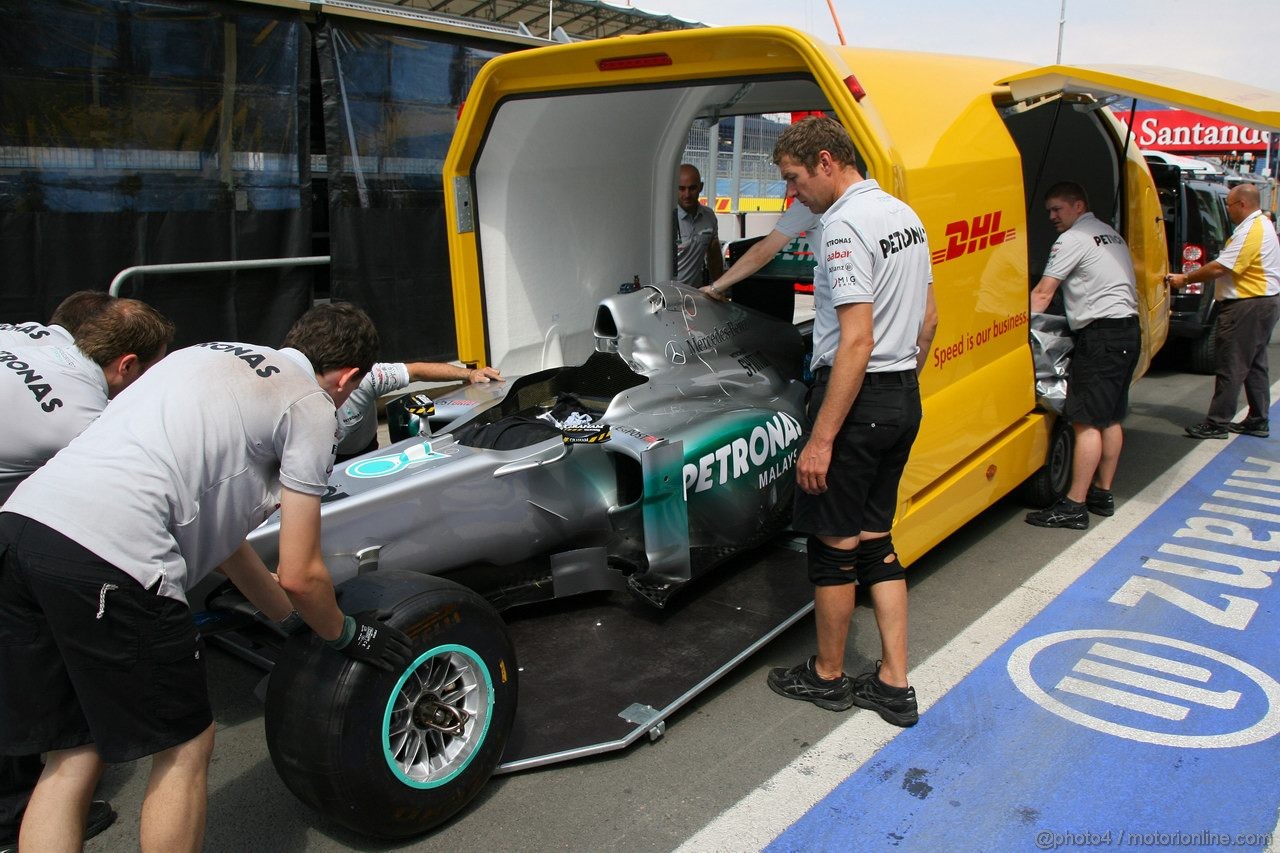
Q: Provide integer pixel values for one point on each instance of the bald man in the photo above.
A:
(1247, 283)
(699, 258)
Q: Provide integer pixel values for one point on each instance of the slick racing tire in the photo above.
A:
(393, 754)
(1046, 486)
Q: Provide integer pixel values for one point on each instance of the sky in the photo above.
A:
(1235, 39)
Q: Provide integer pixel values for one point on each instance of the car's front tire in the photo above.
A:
(393, 754)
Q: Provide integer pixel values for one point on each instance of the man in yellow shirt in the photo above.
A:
(1248, 283)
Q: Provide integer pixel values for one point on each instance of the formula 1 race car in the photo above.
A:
(668, 451)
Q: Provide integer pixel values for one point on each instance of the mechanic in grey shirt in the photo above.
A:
(66, 319)
(357, 417)
(107, 538)
(50, 390)
(875, 314)
(50, 393)
(697, 233)
(1092, 264)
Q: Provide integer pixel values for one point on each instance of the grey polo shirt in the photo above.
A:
(874, 249)
(696, 233)
(798, 219)
(33, 334)
(1096, 270)
(48, 394)
(357, 419)
(187, 460)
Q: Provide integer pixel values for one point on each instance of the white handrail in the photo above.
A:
(214, 266)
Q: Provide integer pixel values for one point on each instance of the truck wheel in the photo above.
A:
(1046, 486)
(1200, 352)
(393, 754)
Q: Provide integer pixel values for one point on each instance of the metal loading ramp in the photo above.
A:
(596, 678)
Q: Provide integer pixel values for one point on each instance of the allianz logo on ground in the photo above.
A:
(1191, 598)
(1148, 688)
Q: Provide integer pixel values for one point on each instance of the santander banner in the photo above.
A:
(1177, 130)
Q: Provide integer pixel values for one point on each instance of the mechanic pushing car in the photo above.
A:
(874, 314)
(102, 544)
(52, 393)
(60, 378)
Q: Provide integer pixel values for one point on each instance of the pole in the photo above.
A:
(1062, 23)
(735, 179)
(832, 6)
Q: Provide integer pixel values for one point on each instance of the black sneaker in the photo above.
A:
(803, 682)
(1100, 502)
(1206, 430)
(873, 694)
(1065, 513)
(1252, 426)
(101, 815)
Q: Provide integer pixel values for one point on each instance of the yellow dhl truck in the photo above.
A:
(560, 191)
(971, 144)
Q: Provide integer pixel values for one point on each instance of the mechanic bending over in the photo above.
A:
(51, 392)
(875, 314)
(66, 319)
(357, 417)
(104, 542)
(56, 386)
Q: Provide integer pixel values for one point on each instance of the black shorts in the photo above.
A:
(867, 459)
(1102, 364)
(87, 655)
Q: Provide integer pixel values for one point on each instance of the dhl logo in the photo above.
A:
(967, 236)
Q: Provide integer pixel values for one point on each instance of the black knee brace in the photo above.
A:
(831, 566)
(872, 568)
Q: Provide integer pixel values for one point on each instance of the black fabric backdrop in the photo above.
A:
(155, 132)
(392, 98)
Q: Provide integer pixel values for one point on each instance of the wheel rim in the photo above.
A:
(437, 716)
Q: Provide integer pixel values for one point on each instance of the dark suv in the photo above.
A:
(1196, 229)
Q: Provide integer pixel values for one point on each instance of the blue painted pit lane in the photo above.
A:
(1138, 710)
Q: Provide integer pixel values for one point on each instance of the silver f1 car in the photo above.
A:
(669, 450)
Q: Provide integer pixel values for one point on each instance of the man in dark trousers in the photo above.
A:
(100, 660)
(1248, 272)
(875, 314)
